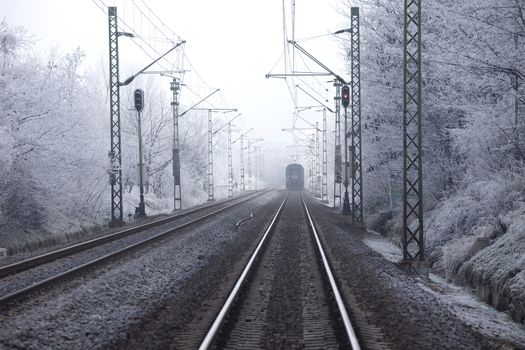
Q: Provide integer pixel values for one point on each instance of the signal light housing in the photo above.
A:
(138, 97)
(345, 96)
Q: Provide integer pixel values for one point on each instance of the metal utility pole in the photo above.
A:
(324, 189)
(338, 81)
(357, 169)
(317, 162)
(412, 236)
(250, 142)
(114, 154)
(241, 138)
(243, 188)
(250, 164)
(230, 162)
(210, 189)
(177, 192)
(320, 168)
(256, 170)
(345, 98)
(210, 159)
(114, 108)
(312, 164)
(262, 169)
(338, 168)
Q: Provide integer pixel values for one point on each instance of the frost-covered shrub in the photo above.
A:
(497, 272)
(477, 211)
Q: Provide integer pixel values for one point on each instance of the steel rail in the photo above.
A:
(208, 339)
(71, 272)
(339, 300)
(75, 248)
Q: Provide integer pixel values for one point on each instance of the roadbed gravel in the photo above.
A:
(111, 308)
(394, 301)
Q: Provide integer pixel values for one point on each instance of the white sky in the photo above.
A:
(233, 44)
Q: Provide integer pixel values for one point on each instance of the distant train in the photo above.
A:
(294, 177)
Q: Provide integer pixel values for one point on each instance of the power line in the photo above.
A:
(183, 57)
(161, 22)
(153, 23)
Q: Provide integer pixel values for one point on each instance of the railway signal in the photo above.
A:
(138, 97)
(345, 101)
(345, 96)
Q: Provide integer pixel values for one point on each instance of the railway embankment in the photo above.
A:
(476, 239)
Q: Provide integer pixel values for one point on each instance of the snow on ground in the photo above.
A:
(471, 311)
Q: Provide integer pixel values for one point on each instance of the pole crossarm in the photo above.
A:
(412, 234)
(130, 79)
(312, 57)
(297, 74)
(214, 110)
(315, 99)
(242, 135)
(198, 103)
(227, 123)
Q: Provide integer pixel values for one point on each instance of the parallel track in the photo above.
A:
(72, 249)
(227, 314)
(70, 273)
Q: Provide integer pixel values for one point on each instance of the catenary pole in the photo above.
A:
(115, 155)
(357, 169)
(230, 162)
(412, 234)
(324, 190)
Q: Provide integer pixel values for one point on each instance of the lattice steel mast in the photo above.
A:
(211, 197)
(317, 162)
(250, 164)
(357, 169)
(114, 108)
(412, 236)
(324, 189)
(230, 162)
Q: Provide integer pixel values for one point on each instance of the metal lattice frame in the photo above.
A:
(250, 164)
(255, 169)
(413, 244)
(114, 109)
(243, 188)
(230, 162)
(177, 192)
(312, 164)
(317, 162)
(337, 150)
(324, 190)
(357, 169)
(211, 196)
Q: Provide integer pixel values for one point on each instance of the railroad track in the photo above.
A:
(286, 295)
(12, 272)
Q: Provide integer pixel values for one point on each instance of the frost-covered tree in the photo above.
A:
(473, 95)
(47, 128)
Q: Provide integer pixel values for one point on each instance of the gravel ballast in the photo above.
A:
(410, 316)
(110, 307)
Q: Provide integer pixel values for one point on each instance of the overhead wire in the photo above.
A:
(183, 57)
